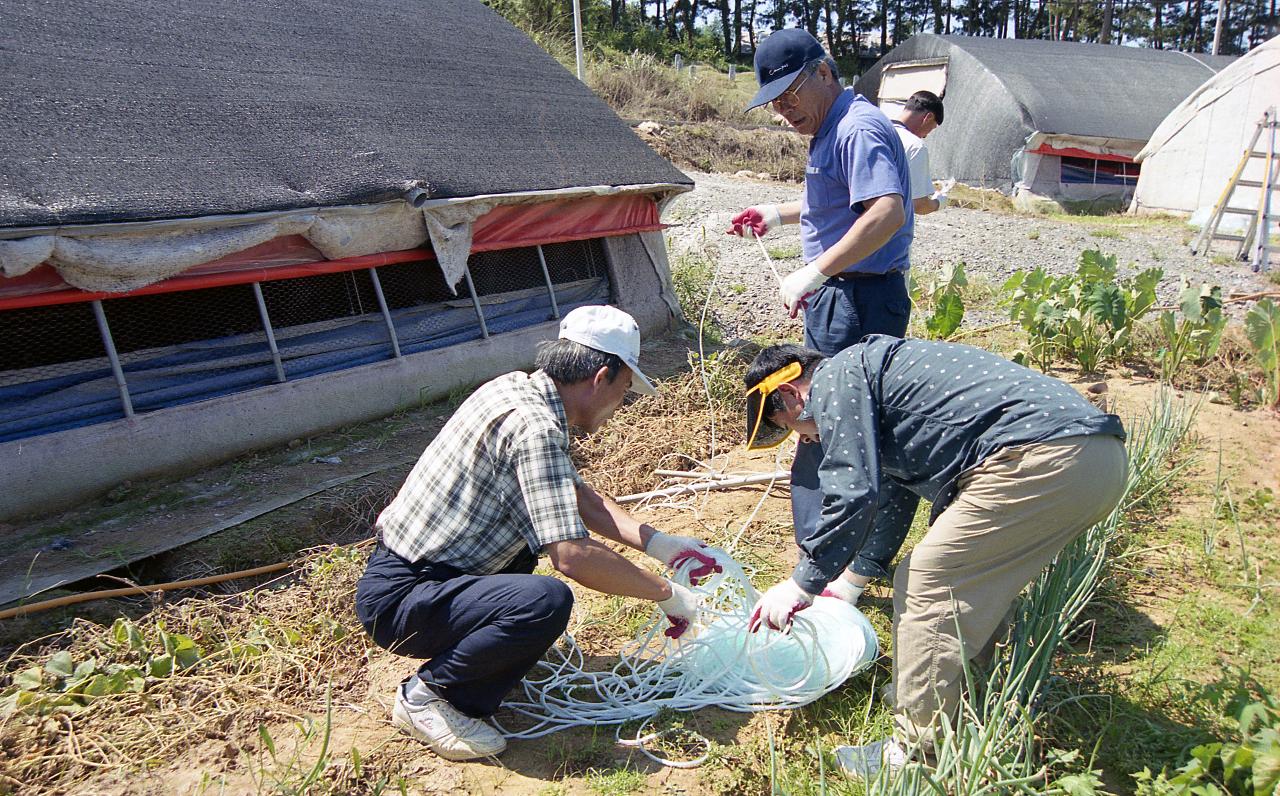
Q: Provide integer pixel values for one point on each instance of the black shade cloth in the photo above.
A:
(999, 91)
(122, 111)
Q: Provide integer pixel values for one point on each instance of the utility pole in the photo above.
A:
(577, 36)
(1217, 26)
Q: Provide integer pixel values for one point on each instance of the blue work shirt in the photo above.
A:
(920, 413)
(856, 155)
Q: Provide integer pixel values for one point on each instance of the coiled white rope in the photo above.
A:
(716, 663)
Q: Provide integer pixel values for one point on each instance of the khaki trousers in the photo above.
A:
(1012, 515)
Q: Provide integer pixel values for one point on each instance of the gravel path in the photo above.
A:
(993, 245)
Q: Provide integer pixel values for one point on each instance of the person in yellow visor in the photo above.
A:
(1016, 464)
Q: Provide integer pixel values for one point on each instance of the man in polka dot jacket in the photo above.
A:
(1016, 463)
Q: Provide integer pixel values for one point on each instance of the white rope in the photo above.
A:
(716, 663)
(767, 258)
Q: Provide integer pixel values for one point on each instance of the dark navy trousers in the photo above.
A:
(480, 633)
(839, 314)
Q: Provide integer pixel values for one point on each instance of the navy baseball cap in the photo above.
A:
(779, 58)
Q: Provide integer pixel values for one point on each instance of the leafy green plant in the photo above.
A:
(942, 294)
(1195, 335)
(1246, 766)
(1087, 317)
(618, 782)
(1262, 327)
(63, 685)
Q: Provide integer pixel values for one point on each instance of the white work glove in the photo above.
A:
(681, 609)
(940, 195)
(776, 607)
(759, 219)
(675, 551)
(798, 285)
(842, 589)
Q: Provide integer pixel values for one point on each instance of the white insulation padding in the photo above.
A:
(118, 262)
(716, 663)
(117, 258)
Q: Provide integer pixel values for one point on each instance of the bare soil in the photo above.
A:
(565, 763)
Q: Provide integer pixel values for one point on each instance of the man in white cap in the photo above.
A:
(451, 578)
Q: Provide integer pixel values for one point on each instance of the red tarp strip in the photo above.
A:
(504, 227)
(190, 281)
(1072, 152)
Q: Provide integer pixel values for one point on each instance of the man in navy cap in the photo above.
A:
(855, 229)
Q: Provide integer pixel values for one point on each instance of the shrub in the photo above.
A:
(1087, 317)
(1262, 327)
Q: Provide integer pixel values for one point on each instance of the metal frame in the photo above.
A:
(475, 301)
(386, 313)
(266, 327)
(264, 315)
(551, 289)
(109, 344)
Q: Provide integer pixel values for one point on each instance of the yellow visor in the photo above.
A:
(761, 433)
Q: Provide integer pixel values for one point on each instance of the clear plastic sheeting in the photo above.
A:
(120, 262)
(139, 257)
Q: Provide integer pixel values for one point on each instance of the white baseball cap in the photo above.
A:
(612, 331)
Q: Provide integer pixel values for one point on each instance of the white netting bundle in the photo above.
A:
(716, 663)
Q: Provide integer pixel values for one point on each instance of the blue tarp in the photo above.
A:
(211, 368)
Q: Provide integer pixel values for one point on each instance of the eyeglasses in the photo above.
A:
(789, 99)
(761, 433)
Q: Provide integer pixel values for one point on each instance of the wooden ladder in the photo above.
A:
(1260, 218)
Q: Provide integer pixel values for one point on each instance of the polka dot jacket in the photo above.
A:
(920, 413)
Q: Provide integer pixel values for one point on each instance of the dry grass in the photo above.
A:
(666, 431)
(980, 198)
(638, 86)
(263, 657)
(781, 154)
(266, 658)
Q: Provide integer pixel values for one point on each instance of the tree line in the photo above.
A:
(859, 31)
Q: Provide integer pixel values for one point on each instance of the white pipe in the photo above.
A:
(780, 476)
(686, 474)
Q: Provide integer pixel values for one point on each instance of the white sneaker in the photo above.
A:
(450, 733)
(866, 761)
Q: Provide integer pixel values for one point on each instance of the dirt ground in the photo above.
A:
(567, 762)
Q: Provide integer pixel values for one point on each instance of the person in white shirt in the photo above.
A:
(921, 115)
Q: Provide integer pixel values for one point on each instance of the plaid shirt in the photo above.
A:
(497, 477)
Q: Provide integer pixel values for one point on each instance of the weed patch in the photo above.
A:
(779, 154)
